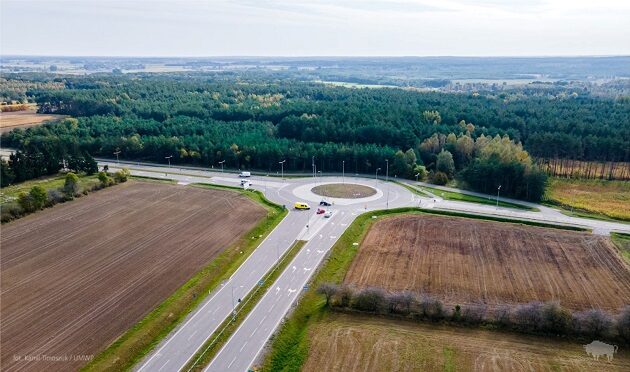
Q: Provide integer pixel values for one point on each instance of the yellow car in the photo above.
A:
(300, 205)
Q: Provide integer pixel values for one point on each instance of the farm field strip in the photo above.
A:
(99, 264)
(464, 261)
(360, 343)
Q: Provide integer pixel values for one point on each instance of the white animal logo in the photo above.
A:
(598, 348)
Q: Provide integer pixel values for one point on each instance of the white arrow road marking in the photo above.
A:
(291, 291)
(320, 252)
(307, 269)
(294, 268)
(277, 290)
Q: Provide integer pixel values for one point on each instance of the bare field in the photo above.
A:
(359, 343)
(24, 119)
(76, 276)
(464, 261)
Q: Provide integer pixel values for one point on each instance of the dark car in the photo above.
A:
(325, 203)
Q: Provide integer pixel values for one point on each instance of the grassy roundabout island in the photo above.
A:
(344, 190)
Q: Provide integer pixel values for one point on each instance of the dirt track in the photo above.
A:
(469, 261)
(78, 275)
(361, 343)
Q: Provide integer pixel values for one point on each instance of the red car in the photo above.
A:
(320, 211)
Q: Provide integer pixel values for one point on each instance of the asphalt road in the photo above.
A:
(246, 343)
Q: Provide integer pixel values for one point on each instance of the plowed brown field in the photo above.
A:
(462, 260)
(76, 276)
(358, 343)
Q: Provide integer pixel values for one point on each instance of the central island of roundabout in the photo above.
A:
(339, 193)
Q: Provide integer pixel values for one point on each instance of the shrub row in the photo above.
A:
(532, 317)
(39, 198)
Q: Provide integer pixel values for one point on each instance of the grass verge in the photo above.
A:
(622, 241)
(450, 195)
(11, 193)
(138, 341)
(290, 345)
(230, 325)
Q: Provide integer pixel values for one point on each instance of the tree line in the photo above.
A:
(252, 123)
(533, 317)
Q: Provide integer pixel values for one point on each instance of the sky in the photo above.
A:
(315, 27)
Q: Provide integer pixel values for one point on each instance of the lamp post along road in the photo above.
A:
(387, 182)
(343, 172)
(169, 160)
(282, 167)
(498, 189)
(222, 162)
(116, 153)
(376, 176)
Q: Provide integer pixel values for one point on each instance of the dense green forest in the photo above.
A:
(252, 123)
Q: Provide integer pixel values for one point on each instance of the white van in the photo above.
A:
(245, 174)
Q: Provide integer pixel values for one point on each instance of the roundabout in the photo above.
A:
(339, 193)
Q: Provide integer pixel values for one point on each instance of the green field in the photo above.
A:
(450, 195)
(11, 193)
(590, 198)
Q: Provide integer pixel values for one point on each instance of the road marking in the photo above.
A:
(255, 329)
(192, 334)
(232, 362)
(242, 347)
(164, 365)
(307, 269)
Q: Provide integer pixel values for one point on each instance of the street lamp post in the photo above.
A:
(116, 153)
(376, 176)
(313, 165)
(222, 162)
(282, 167)
(343, 172)
(387, 182)
(169, 160)
(498, 189)
(417, 175)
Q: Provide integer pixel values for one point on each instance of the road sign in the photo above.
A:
(305, 287)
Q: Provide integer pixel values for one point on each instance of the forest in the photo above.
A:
(252, 122)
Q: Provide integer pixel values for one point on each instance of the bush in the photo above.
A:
(431, 308)
(370, 299)
(55, 196)
(474, 314)
(528, 317)
(26, 202)
(328, 290)
(400, 302)
(122, 175)
(71, 185)
(502, 316)
(39, 197)
(593, 323)
(344, 296)
(623, 324)
(10, 211)
(438, 178)
(556, 319)
(105, 179)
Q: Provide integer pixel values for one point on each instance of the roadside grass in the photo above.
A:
(601, 199)
(11, 193)
(450, 195)
(622, 241)
(214, 344)
(290, 344)
(139, 340)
